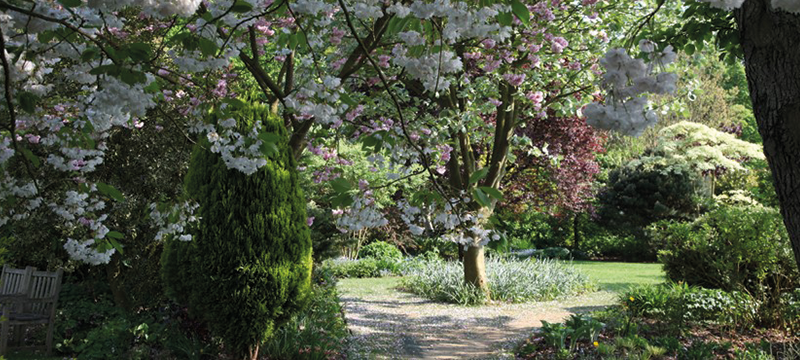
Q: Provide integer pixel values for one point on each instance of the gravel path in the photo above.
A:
(390, 324)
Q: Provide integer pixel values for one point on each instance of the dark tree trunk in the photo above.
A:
(771, 43)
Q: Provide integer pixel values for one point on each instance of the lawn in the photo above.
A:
(618, 276)
(609, 276)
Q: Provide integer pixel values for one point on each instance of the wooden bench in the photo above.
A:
(28, 297)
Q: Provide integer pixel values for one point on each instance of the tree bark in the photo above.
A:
(770, 40)
(475, 269)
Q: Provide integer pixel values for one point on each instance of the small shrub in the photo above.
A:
(510, 280)
(360, 268)
(733, 248)
(381, 250)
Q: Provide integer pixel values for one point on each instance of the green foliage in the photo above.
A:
(741, 248)
(382, 251)
(317, 333)
(533, 229)
(441, 248)
(649, 189)
(111, 340)
(80, 314)
(680, 304)
(248, 268)
(510, 280)
(360, 268)
(602, 242)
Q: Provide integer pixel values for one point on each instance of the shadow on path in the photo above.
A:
(402, 326)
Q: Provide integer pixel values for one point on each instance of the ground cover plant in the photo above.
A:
(670, 321)
(512, 280)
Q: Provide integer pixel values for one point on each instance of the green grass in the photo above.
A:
(368, 286)
(618, 277)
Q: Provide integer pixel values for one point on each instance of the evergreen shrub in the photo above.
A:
(650, 189)
(381, 250)
(247, 269)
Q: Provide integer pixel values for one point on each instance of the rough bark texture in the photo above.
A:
(771, 43)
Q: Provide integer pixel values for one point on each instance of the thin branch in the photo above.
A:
(11, 112)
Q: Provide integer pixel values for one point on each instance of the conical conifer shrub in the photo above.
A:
(248, 267)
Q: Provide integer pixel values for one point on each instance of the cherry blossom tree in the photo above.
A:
(433, 89)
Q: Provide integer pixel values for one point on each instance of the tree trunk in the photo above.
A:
(252, 353)
(771, 43)
(576, 234)
(475, 269)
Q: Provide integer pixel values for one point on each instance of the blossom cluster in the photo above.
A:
(627, 79)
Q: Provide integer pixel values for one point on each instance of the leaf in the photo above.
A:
(269, 149)
(505, 19)
(397, 25)
(241, 6)
(481, 197)
(110, 191)
(478, 175)
(689, 49)
(132, 77)
(70, 3)
(139, 51)
(348, 100)
(521, 11)
(27, 101)
(153, 87)
(114, 244)
(496, 194)
(342, 200)
(340, 185)
(268, 145)
(115, 235)
(110, 69)
(207, 47)
(90, 54)
(31, 157)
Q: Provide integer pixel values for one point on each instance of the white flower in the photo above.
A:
(399, 10)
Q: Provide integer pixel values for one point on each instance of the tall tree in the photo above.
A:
(770, 41)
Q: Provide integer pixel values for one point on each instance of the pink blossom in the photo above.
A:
(537, 98)
(488, 43)
(337, 64)
(310, 220)
(558, 44)
(383, 61)
(336, 36)
(514, 79)
(492, 66)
